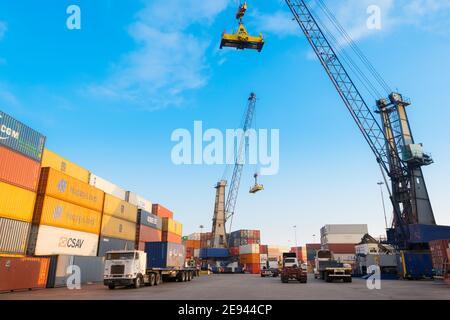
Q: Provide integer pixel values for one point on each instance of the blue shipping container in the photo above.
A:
(150, 220)
(415, 265)
(21, 138)
(165, 255)
(214, 253)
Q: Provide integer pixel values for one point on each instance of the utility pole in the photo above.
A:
(295, 236)
(314, 238)
(382, 201)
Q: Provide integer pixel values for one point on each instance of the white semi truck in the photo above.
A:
(130, 268)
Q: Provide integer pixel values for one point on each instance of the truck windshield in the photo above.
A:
(324, 254)
(120, 256)
(289, 260)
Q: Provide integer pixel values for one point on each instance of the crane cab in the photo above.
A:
(241, 39)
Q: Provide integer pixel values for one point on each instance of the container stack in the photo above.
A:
(300, 252)
(441, 263)
(341, 239)
(249, 258)
(149, 229)
(171, 230)
(119, 220)
(192, 244)
(275, 253)
(205, 239)
(21, 150)
(241, 238)
(67, 215)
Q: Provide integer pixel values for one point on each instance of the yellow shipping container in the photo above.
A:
(16, 203)
(172, 226)
(61, 186)
(120, 209)
(57, 213)
(118, 228)
(52, 160)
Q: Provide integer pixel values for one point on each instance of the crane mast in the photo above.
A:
(392, 142)
(223, 211)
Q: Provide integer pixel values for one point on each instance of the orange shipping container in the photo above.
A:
(23, 273)
(171, 237)
(161, 211)
(251, 258)
(60, 214)
(194, 244)
(18, 170)
(61, 186)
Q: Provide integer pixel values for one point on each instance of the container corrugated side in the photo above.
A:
(249, 258)
(161, 211)
(54, 241)
(148, 219)
(249, 248)
(61, 186)
(170, 237)
(23, 273)
(147, 234)
(118, 228)
(18, 169)
(139, 201)
(342, 238)
(16, 203)
(170, 225)
(55, 161)
(344, 229)
(165, 255)
(107, 187)
(21, 138)
(110, 244)
(13, 236)
(115, 207)
(61, 214)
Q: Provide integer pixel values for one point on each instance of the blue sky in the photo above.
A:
(109, 96)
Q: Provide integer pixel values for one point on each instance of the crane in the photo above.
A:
(224, 210)
(390, 139)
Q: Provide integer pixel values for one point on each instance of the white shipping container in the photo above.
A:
(249, 248)
(194, 236)
(54, 241)
(344, 229)
(106, 186)
(342, 238)
(367, 248)
(139, 201)
(345, 257)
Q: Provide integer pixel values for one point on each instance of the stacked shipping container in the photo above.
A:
(249, 257)
(171, 230)
(149, 229)
(67, 216)
(441, 262)
(21, 151)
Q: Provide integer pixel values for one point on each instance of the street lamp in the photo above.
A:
(314, 238)
(295, 236)
(382, 201)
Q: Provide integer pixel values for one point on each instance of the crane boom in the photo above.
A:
(392, 142)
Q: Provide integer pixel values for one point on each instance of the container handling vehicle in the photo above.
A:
(329, 269)
(292, 270)
(130, 268)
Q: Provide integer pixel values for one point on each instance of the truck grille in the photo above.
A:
(117, 269)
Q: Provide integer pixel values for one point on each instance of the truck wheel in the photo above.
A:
(327, 278)
(138, 282)
(151, 280)
(157, 279)
(190, 276)
(184, 277)
(284, 280)
(111, 286)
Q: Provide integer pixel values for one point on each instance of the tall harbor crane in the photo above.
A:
(400, 158)
(224, 210)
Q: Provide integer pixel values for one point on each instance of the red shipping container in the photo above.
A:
(263, 249)
(171, 237)
(18, 170)
(234, 251)
(439, 256)
(161, 211)
(147, 234)
(339, 248)
(313, 246)
(23, 273)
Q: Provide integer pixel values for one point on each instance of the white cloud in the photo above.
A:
(169, 60)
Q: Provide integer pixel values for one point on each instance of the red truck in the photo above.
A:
(292, 269)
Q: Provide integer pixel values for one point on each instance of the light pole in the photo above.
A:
(382, 201)
(295, 236)
(314, 238)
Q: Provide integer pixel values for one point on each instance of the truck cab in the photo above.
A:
(124, 268)
(292, 269)
(328, 269)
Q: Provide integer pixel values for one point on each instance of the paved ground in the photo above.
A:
(239, 287)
